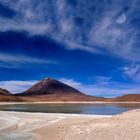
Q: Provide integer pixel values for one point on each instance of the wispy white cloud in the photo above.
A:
(115, 39)
(17, 61)
(109, 89)
(133, 72)
(16, 86)
(32, 29)
(79, 27)
(102, 80)
(71, 82)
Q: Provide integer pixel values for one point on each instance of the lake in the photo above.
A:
(95, 108)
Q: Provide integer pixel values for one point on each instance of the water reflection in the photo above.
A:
(100, 109)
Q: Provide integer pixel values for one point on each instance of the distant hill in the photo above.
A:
(7, 96)
(4, 92)
(126, 98)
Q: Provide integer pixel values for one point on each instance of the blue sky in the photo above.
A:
(90, 45)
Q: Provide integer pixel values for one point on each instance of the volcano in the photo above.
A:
(51, 86)
(50, 89)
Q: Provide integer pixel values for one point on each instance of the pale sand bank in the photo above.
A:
(42, 126)
(95, 102)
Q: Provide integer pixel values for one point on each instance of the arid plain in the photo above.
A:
(41, 126)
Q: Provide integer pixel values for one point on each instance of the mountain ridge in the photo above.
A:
(49, 89)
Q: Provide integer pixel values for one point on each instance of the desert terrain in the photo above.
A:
(43, 126)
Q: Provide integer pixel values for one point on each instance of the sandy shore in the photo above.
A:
(41, 126)
(96, 102)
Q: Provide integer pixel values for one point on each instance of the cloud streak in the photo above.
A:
(104, 88)
(85, 25)
(132, 71)
(16, 86)
(17, 61)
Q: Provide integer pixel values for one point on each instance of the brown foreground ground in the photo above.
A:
(41, 126)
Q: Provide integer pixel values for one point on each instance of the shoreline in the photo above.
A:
(6, 103)
(58, 114)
